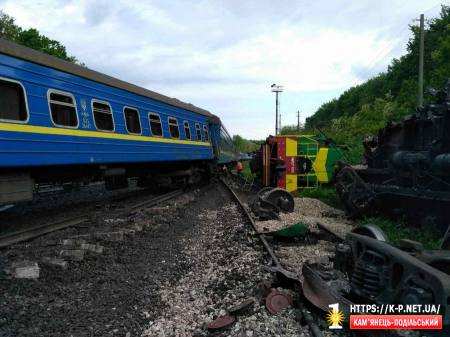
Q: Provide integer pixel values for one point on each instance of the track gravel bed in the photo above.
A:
(226, 270)
(176, 268)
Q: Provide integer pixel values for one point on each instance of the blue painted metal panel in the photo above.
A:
(21, 149)
(34, 149)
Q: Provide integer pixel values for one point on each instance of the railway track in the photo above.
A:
(315, 293)
(36, 231)
(276, 264)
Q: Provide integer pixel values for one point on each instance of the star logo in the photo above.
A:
(335, 317)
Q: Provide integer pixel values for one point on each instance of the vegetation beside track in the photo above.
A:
(363, 109)
(395, 230)
(324, 193)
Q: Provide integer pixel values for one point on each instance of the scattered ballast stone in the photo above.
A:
(72, 254)
(95, 248)
(25, 270)
(157, 210)
(55, 262)
(73, 242)
(226, 271)
(111, 236)
(309, 211)
(115, 221)
(293, 257)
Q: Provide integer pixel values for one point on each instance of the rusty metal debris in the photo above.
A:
(241, 308)
(383, 274)
(276, 301)
(367, 269)
(269, 202)
(221, 322)
(319, 293)
(407, 168)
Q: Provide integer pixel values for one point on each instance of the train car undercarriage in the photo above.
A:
(21, 185)
(407, 169)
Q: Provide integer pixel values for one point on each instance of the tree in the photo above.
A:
(400, 79)
(32, 38)
(361, 110)
(244, 145)
(290, 130)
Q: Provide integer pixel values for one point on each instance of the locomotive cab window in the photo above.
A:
(63, 109)
(103, 116)
(155, 125)
(173, 128)
(13, 105)
(198, 132)
(132, 120)
(187, 130)
(206, 133)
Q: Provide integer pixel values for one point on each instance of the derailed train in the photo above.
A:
(60, 122)
(407, 170)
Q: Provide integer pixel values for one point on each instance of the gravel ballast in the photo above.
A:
(170, 272)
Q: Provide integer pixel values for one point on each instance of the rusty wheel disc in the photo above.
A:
(276, 301)
(221, 322)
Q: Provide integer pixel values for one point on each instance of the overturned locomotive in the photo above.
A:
(407, 168)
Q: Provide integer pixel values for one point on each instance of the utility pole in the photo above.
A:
(276, 113)
(277, 89)
(279, 123)
(298, 120)
(421, 51)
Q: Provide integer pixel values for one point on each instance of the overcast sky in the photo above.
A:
(224, 55)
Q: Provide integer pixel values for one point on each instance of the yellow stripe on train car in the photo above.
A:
(319, 165)
(291, 147)
(291, 182)
(44, 130)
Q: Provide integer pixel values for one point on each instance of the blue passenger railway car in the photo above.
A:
(60, 122)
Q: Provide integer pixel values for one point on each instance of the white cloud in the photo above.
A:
(224, 55)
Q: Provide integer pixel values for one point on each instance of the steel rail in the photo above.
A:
(36, 231)
(157, 200)
(261, 236)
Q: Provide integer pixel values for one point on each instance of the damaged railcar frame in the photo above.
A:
(366, 269)
(407, 171)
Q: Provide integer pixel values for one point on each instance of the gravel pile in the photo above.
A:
(293, 257)
(164, 271)
(309, 211)
(112, 290)
(226, 270)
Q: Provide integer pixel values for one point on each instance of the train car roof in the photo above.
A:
(28, 54)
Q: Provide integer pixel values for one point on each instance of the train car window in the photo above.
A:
(155, 124)
(198, 132)
(63, 109)
(206, 133)
(103, 116)
(13, 105)
(187, 130)
(132, 120)
(173, 128)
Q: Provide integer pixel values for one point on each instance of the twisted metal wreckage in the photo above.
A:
(407, 174)
(366, 268)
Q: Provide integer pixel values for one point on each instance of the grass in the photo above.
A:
(326, 194)
(246, 172)
(397, 230)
